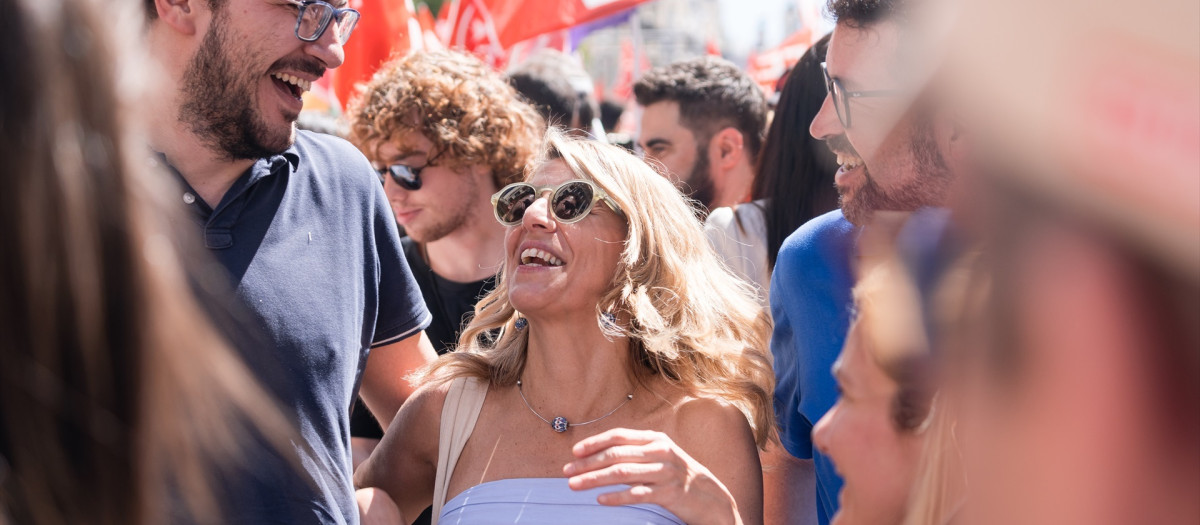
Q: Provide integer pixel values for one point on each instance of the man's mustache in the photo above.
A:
(841, 145)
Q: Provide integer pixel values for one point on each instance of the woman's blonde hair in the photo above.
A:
(689, 320)
(958, 306)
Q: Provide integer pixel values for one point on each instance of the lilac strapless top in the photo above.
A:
(544, 501)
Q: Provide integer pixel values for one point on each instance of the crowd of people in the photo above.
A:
(896, 291)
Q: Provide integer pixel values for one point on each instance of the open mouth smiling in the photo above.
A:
(536, 257)
(293, 84)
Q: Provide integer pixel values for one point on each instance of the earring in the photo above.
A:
(521, 323)
(608, 319)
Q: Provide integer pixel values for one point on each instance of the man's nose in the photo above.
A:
(826, 123)
(328, 49)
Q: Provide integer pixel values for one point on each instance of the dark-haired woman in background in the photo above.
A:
(794, 180)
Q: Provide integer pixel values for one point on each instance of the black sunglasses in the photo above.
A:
(841, 97)
(407, 177)
(570, 201)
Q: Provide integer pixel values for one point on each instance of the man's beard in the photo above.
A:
(457, 213)
(218, 102)
(927, 188)
(699, 182)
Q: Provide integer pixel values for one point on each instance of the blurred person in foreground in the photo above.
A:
(890, 433)
(300, 227)
(561, 90)
(703, 119)
(793, 184)
(445, 132)
(627, 381)
(1086, 398)
(898, 151)
(119, 402)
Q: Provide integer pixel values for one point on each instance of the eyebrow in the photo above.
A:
(406, 154)
(656, 142)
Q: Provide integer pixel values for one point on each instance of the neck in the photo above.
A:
(470, 253)
(574, 367)
(735, 187)
(208, 172)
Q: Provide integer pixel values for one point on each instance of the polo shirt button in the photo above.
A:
(188, 198)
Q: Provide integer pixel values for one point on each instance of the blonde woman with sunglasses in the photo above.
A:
(617, 374)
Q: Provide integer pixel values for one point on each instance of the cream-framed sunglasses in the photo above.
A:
(570, 201)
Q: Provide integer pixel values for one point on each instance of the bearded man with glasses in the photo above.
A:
(299, 225)
(898, 151)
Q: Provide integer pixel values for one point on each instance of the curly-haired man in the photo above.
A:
(704, 120)
(445, 132)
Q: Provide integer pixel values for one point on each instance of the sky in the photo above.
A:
(743, 18)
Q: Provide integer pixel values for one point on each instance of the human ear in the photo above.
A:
(953, 138)
(178, 14)
(729, 146)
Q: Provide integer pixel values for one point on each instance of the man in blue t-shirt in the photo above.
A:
(891, 153)
(299, 225)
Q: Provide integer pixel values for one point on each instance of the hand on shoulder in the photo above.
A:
(703, 486)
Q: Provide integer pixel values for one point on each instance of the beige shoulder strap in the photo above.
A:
(463, 402)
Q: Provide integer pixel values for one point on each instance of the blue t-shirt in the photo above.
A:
(810, 304)
(313, 254)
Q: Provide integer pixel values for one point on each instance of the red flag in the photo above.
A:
(767, 67)
(490, 27)
(386, 27)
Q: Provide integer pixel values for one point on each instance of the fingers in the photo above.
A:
(612, 438)
(647, 453)
(634, 495)
(624, 473)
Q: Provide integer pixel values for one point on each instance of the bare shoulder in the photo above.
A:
(702, 425)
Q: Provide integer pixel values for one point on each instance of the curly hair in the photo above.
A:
(862, 13)
(467, 110)
(691, 322)
(712, 93)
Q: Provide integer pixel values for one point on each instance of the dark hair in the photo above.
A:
(795, 171)
(610, 114)
(152, 11)
(113, 386)
(859, 13)
(712, 94)
(558, 88)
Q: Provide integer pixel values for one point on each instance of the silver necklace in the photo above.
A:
(560, 424)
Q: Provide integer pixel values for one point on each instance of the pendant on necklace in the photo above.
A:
(560, 424)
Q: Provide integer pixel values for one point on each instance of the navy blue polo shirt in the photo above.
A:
(312, 252)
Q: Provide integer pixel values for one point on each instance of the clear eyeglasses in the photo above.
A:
(314, 17)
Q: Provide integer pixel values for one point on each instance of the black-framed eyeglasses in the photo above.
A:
(406, 177)
(841, 97)
(570, 201)
(314, 17)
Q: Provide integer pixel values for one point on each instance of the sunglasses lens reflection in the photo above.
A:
(405, 177)
(571, 201)
(511, 205)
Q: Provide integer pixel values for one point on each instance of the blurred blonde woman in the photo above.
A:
(616, 374)
(112, 384)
